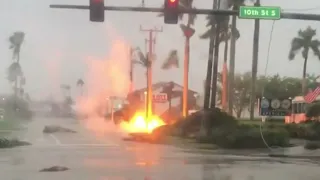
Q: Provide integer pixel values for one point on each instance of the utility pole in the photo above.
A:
(149, 68)
(255, 56)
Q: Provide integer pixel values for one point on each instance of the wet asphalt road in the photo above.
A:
(98, 153)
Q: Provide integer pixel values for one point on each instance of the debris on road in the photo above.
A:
(10, 143)
(143, 137)
(55, 129)
(54, 169)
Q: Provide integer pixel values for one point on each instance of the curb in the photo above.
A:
(294, 156)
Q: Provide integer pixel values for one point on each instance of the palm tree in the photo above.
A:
(217, 25)
(188, 31)
(304, 41)
(142, 59)
(80, 84)
(224, 35)
(16, 40)
(146, 62)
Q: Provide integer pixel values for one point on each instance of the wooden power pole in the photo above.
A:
(151, 41)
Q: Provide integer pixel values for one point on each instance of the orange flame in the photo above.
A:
(139, 124)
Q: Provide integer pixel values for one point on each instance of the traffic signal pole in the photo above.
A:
(284, 15)
(151, 41)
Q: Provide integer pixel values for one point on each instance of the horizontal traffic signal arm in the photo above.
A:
(313, 17)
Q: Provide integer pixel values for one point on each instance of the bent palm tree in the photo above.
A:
(145, 62)
(16, 40)
(141, 59)
(188, 31)
(304, 42)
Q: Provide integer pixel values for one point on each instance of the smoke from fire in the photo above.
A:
(104, 78)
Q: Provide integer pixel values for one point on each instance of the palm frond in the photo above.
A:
(315, 44)
(307, 34)
(296, 44)
(171, 61)
(206, 35)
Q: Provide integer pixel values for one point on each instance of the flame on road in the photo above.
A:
(138, 124)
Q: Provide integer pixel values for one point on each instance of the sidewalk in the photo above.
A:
(297, 152)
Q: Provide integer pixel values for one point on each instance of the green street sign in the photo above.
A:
(262, 12)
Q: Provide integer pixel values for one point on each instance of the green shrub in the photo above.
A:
(309, 130)
(247, 136)
(313, 110)
(212, 118)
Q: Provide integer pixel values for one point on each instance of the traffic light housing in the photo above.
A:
(171, 11)
(97, 10)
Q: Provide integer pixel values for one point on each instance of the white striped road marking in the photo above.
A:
(58, 142)
(69, 146)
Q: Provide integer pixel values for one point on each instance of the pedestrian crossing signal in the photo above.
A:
(171, 11)
(97, 10)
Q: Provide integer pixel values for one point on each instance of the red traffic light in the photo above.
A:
(172, 3)
(171, 12)
(97, 10)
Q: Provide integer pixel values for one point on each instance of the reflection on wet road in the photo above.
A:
(106, 157)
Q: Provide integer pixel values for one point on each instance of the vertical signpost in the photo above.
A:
(260, 12)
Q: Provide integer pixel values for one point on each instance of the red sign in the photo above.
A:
(160, 98)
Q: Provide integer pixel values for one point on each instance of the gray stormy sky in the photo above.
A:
(59, 41)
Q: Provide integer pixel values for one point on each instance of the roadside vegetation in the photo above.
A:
(226, 131)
